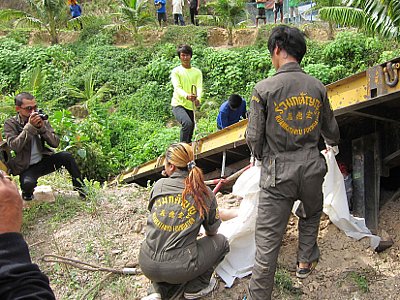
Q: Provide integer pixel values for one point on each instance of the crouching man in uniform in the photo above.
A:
(26, 134)
(288, 114)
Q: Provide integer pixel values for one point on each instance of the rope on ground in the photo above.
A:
(51, 258)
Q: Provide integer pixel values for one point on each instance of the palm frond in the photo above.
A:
(380, 17)
(36, 79)
(346, 16)
(11, 14)
(29, 22)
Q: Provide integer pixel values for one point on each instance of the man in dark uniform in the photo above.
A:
(288, 114)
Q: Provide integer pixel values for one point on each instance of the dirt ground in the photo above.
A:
(111, 235)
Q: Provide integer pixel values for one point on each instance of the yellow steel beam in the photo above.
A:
(349, 91)
(345, 93)
(230, 136)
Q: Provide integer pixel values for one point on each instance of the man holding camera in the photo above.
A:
(26, 134)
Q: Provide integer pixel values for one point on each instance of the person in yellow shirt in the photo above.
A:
(188, 89)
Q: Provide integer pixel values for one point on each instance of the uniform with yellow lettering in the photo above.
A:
(289, 112)
(172, 256)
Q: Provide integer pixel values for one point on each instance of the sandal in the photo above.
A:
(304, 272)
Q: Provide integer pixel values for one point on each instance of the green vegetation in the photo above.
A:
(125, 93)
(284, 283)
(371, 16)
(131, 15)
(359, 279)
(48, 15)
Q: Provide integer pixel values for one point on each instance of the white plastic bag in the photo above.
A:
(240, 231)
(336, 205)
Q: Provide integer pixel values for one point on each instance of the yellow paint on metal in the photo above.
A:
(232, 134)
(348, 91)
(343, 93)
(148, 166)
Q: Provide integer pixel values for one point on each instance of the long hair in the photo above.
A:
(181, 155)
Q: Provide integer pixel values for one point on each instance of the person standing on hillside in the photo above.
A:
(194, 6)
(76, 10)
(278, 7)
(289, 113)
(294, 11)
(177, 6)
(261, 11)
(188, 89)
(161, 11)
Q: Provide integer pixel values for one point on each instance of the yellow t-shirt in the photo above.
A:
(182, 79)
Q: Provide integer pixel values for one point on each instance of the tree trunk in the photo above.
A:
(330, 31)
(230, 36)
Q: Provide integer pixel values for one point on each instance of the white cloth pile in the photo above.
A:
(240, 230)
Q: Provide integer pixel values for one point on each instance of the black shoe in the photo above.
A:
(303, 273)
(27, 197)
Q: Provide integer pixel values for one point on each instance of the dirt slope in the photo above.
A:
(111, 234)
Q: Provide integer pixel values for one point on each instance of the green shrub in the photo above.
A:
(140, 141)
(353, 50)
(388, 55)
(93, 32)
(20, 36)
(150, 102)
(191, 35)
(228, 71)
(320, 71)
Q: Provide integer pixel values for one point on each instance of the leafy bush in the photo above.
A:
(228, 71)
(89, 142)
(140, 141)
(320, 71)
(20, 36)
(130, 125)
(93, 32)
(388, 55)
(355, 51)
(191, 35)
(150, 102)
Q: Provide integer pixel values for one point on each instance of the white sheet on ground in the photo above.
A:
(336, 206)
(240, 230)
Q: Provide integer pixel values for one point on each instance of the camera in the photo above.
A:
(42, 115)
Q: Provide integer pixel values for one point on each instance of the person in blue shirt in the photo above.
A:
(161, 11)
(231, 111)
(75, 10)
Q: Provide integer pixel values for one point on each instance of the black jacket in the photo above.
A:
(19, 277)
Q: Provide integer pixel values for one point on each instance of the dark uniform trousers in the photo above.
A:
(287, 177)
(186, 118)
(47, 165)
(183, 270)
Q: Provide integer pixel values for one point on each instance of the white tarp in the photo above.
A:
(336, 206)
(240, 230)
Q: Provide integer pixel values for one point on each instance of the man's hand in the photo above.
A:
(191, 97)
(335, 149)
(197, 103)
(36, 120)
(10, 205)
